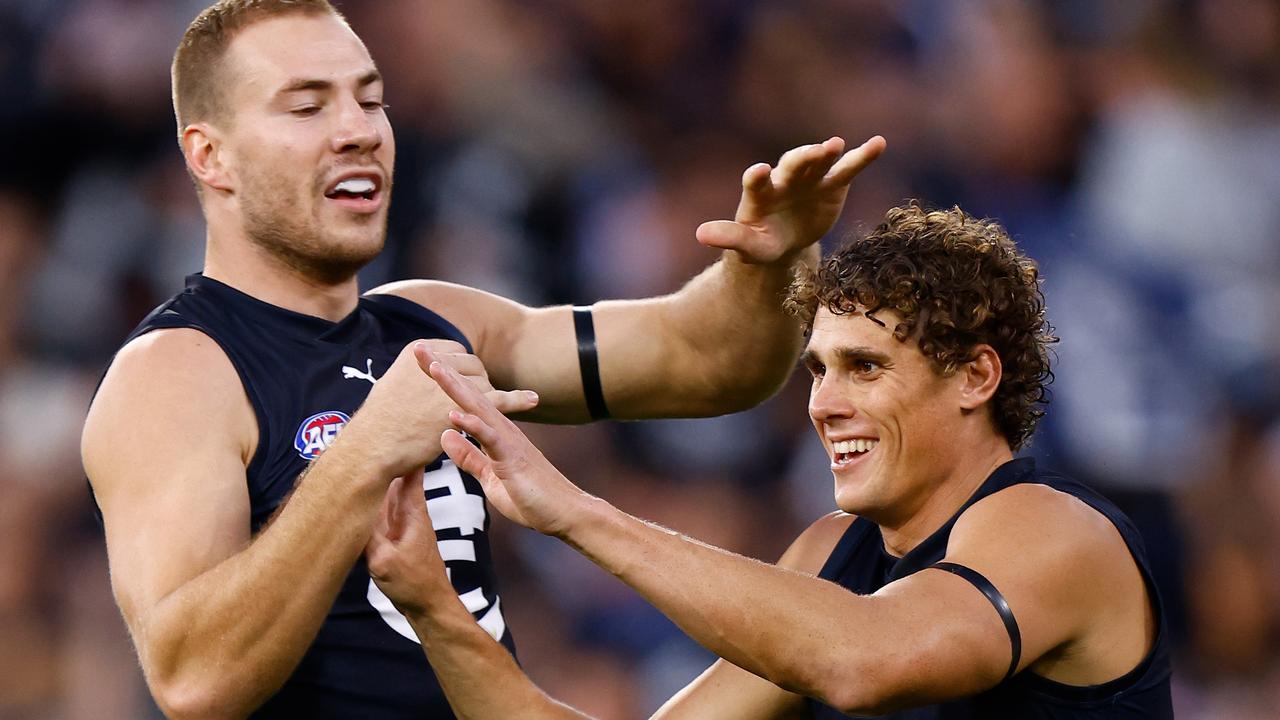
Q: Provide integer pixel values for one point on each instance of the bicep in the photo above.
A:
(164, 446)
(954, 640)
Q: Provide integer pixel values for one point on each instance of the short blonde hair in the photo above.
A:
(197, 64)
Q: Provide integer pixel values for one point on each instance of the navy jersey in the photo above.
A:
(305, 377)
(861, 563)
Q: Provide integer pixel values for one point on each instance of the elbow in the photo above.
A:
(865, 690)
(186, 701)
(196, 699)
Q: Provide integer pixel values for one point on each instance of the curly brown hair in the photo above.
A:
(957, 282)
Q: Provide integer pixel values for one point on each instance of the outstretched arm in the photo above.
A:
(480, 677)
(678, 355)
(929, 637)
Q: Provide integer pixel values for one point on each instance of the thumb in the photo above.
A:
(725, 234)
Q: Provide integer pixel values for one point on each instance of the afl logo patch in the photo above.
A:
(317, 432)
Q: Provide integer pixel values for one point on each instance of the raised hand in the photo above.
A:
(405, 412)
(518, 480)
(787, 208)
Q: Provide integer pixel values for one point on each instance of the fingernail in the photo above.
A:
(533, 396)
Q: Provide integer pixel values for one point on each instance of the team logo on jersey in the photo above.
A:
(317, 432)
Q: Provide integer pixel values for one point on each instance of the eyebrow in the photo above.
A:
(846, 354)
(305, 84)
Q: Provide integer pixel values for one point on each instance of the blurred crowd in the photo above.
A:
(565, 150)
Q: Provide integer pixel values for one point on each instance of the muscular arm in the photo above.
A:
(681, 355)
(480, 677)
(220, 619)
(928, 637)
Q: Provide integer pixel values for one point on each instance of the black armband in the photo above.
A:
(995, 598)
(589, 363)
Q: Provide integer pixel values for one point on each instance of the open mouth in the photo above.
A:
(846, 452)
(359, 193)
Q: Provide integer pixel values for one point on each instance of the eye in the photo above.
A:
(865, 368)
(305, 111)
(816, 369)
(374, 105)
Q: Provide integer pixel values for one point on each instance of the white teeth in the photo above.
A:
(355, 186)
(845, 447)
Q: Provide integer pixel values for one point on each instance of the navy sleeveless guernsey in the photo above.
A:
(305, 377)
(860, 563)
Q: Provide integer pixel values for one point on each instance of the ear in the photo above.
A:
(202, 148)
(979, 378)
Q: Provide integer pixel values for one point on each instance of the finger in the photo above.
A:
(486, 434)
(423, 354)
(442, 346)
(466, 456)
(756, 177)
(855, 160)
(820, 161)
(800, 165)
(411, 500)
(725, 234)
(463, 362)
(511, 401)
(468, 366)
(389, 517)
(464, 393)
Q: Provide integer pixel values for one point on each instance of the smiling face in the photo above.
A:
(891, 424)
(307, 145)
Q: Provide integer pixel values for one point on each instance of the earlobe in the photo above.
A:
(202, 147)
(981, 378)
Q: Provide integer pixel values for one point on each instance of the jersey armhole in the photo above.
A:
(419, 314)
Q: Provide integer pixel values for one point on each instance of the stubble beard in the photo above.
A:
(281, 226)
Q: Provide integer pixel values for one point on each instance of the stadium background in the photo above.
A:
(564, 151)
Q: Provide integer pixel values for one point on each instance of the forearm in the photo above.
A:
(731, 339)
(797, 631)
(478, 675)
(223, 642)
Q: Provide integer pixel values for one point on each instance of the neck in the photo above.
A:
(255, 271)
(946, 497)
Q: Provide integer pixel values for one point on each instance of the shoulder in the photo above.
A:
(173, 385)
(1040, 519)
(178, 361)
(1062, 565)
(810, 550)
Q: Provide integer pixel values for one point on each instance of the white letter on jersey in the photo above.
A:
(460, 511)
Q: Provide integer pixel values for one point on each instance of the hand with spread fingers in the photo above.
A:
(787, 208)
(518, 480)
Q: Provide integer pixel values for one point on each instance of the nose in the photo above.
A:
(358, 130)
(828, 402)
